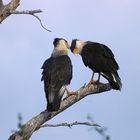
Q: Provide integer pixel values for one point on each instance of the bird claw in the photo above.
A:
(69, 93)
(92, 82)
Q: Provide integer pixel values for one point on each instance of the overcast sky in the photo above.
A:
(25, 46)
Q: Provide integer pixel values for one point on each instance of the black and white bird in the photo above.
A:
(57, 74)
(100, 59)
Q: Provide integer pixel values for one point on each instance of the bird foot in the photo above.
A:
(69, 93)
(92, 82)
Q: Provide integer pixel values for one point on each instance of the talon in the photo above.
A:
(69, 93)
(92, 82)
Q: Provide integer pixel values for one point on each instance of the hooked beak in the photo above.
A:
(75, 50)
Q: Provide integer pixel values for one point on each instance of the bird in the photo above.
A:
(57, 74)
(100, 59)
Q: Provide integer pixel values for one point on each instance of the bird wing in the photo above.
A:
(110, 56)
(62, 70)
(99, 57)
(57, 72)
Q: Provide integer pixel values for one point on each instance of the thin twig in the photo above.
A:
(9, 9)
(70, 124)
(32, 12)
(40, 22)
(27, 12)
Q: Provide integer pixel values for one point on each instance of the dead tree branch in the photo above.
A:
(40, 22)
(36, 122)
(32, 12)
(70, 124)
(27, 12)
(9, 9)
(5, 10)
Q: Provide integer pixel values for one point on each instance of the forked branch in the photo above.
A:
(32, 13)
(70, 124)
(9, 9)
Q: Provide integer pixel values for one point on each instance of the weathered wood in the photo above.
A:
(5, 10)
(35, 123)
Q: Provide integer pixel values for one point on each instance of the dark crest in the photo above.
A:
(73, 44)
(56, 41)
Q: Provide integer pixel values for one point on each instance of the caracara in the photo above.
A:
(57, 74)
(100, 59)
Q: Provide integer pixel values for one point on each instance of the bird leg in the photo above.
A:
(69, 93)
(99, 78)
(91, 82)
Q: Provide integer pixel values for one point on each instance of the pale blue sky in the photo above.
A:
(25, 46)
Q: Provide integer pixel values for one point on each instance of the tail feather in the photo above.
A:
(114, 80)
(54, 99)
(55, 105)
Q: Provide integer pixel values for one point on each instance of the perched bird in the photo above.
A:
(100, 59)
(57, 74)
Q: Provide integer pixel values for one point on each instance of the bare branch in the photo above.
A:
(5, 10)
(35, 123)
(27, 12)
(13, 5)
(70, 124)
(41, 22)
(32, 12)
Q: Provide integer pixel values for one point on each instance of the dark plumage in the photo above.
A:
(57, 74)
(100, 59)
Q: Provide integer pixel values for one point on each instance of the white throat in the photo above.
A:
(60, 49)
(80, 44)
(56, 52)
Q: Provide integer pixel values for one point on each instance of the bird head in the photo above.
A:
(77, 46)
(61, 47)
(60, 43)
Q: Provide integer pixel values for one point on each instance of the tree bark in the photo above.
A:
(36, 122)
(1, 3)
(5, 10)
